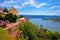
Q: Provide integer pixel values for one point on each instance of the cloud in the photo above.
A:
(8, 3)
(19, 4)
(41, 4)
(29, 2)
(33, 3)
(52, 7)
(25, 3)
(18, 0)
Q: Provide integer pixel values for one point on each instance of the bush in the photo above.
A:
(5, 10)
(15, 18)
(29, 30)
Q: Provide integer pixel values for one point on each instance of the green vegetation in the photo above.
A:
(31, 32)
(5, 10)
(4, 35)
(1, 18)
(15, 18)
(10, 17)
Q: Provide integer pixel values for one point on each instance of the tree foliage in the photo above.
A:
(48, 35)
(29, 30)
(5, 10)
(10, 17)
(1, 18)
(15, 18)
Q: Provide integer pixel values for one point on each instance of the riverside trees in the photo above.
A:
(31, 32)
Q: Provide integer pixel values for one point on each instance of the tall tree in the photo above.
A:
(5, 10)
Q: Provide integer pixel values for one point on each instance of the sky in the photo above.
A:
(33, 7)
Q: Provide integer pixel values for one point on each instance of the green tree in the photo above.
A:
(15, 18)
(9, 17)
(5, 10)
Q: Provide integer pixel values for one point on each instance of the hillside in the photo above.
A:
(4, 35)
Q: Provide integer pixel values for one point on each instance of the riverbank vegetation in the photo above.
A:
(31, 32)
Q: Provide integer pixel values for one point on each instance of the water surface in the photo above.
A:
(53, 26)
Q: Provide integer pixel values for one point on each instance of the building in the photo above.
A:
(1, 9)
(13, 11)
(2, 13)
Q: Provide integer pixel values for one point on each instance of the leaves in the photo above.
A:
(31, 31)
(5, 10)
(10, 17)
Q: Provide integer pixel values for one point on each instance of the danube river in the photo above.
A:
(53, 26)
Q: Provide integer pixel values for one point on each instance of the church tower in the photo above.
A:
(13, 11)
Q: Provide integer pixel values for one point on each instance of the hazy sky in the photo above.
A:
(33, 7)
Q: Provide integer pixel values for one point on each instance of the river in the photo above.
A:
(53, 26)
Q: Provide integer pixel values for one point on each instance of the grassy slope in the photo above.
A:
(4, 35)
